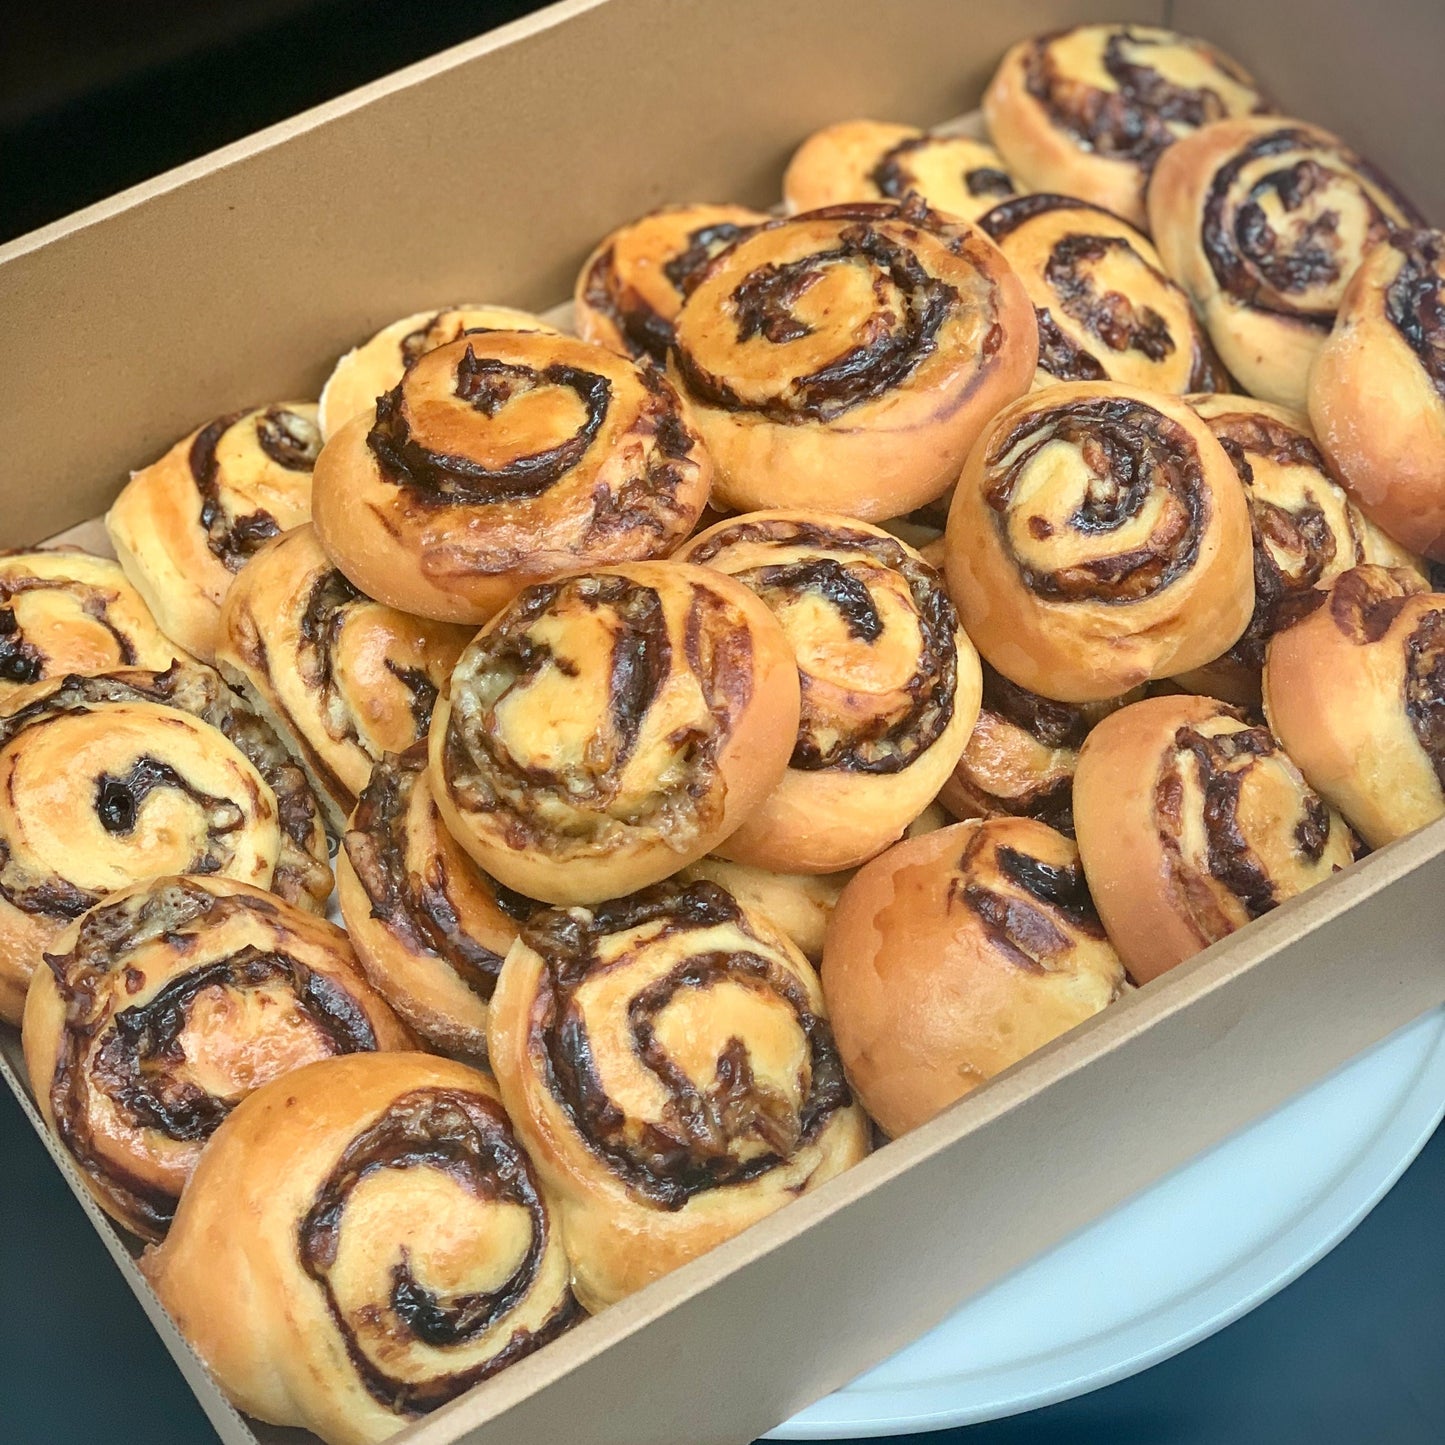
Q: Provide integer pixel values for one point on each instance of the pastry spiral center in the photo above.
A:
(1100, 500)
(1425, 687)
(931, 164)
(420, 1275)
(687, 1054)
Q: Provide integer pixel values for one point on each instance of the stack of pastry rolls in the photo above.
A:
(858, 645)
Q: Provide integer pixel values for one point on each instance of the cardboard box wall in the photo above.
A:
(487, 173)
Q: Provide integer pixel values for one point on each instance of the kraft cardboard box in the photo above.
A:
(489, 171)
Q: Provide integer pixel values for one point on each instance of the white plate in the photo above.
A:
(1187, 1257)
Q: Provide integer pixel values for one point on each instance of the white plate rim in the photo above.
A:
(1411, 1115)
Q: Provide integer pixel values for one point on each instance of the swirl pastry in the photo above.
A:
(363, 1241)
(955, 955)
(431, 929)
(1377, 391)
(666, 1059)
(845, 359)
(1192, 823)
(342, 678)
(1089, 111)
(609, 728)
(1355, 692)
(633, 285)
(1021, 755)
(1263, 221)
(185, 525)
(163, 1007)
(1099, 538)
(503, 459)
(377, 365)
(108, 780)
(1306, 532)
(798, 903)
(870, 160)
(889, 684)
(1106, 310)
(66, 612)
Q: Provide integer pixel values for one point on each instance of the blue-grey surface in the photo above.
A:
(1351, 1354)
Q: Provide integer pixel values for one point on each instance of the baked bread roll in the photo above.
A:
(368, 370)
(342, 679)
(108, 780)
(1106, 311)
(1355, 692)
(185, 525)
(870, 160)
(1088, 111)
(1263, 221)
(66, 612)
(798, 903)
(957, 954)
(666, 1060)
(363, 1241)
(633, 285)
(845, 359)
(1191, 823)
(609, 728)
(502, 459)
(1099, 537)
(889, 683)
(1306, 532)
(163, 1007)
(1377, 391)
(1021, 755)
(431, 929)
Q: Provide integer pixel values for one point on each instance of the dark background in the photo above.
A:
(97, 95)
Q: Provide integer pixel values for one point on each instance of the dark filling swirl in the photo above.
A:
(881, 745)
(695, 1147)
(136, 1056)
(288, 439)
(486, 778)
(1130, 451)
(1415, 300)
(466, 1137)
(1249, 258)
(894, 179)
(1425, 688)
(912, 307)
(21, 661)
(1136, 121)
(488, 384)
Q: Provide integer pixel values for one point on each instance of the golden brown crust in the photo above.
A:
(1192, 822)
(111, 779)
(1377, 390)
(185, 525)
(1106, 311)
(797, 411)
(164, 1006)
(431, 929)
(1355, 692)
(378, 364)
(632, 286)
(889, 684)
(667, 1062)
(342, 678)
(1263, 221)
(1098, 538)
(870, 160)
(1088, 111)
(607, 729)
(66, 611)
(956, 954)
(502, 459)
(1021, 755)
(363, 1241)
